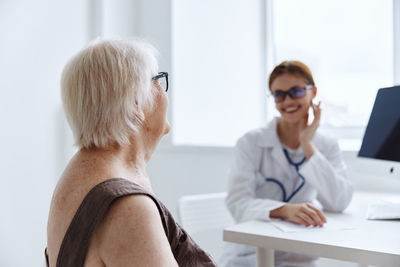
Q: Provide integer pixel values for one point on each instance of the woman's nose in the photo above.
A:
(288, 99)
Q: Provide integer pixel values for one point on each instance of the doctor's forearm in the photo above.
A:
(278, 213)
(308, 149)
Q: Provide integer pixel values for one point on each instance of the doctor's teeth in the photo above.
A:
(291, 109)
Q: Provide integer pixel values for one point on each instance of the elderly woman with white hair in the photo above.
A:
(103, 211)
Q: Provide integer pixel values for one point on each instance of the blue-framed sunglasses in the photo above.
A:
(294, 93)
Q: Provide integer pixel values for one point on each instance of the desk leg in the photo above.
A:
(265, 257)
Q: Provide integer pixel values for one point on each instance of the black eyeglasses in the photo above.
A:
(162, 78)
(294, 93)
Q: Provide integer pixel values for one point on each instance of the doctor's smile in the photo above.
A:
(291, 109)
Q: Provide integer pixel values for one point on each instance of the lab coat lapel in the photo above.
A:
(270, 140)
(278, 157)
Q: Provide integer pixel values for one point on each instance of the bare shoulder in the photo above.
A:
(132, 234)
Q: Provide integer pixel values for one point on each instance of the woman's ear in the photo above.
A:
(315, 89)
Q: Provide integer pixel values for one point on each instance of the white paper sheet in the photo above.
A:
(330, 225)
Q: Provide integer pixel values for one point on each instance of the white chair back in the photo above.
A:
(204, 216)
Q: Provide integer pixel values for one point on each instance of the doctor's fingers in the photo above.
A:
(318, 211)
(316, 220)
(303, 219)
(317, 116)
(317, 111)
(307, 215)
(316, 107)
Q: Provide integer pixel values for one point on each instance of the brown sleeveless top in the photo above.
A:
(94, 207)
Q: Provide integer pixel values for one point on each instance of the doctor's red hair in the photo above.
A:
(293, 67)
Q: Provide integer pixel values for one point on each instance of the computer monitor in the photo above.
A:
(380, 149)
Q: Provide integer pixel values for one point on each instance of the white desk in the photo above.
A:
(372, 242)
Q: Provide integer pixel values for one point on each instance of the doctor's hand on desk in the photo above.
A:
(301, 213)
(308, 131)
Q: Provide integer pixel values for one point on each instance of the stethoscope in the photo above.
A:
(297, 166)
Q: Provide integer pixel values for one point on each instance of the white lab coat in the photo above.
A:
(259, 155)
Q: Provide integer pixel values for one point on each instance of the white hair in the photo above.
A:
(105, 88)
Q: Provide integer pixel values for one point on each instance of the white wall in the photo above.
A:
(37, 37)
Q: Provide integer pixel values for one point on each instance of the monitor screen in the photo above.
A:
(382, 135)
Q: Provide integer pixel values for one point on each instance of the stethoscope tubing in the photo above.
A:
(297, 166)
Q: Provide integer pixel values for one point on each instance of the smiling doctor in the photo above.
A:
(286, 170)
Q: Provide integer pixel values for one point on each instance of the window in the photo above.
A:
(224, 51)
(218, 74)
(348, 46)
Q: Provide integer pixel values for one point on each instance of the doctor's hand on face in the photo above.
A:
(308, 131)
(300, 213)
